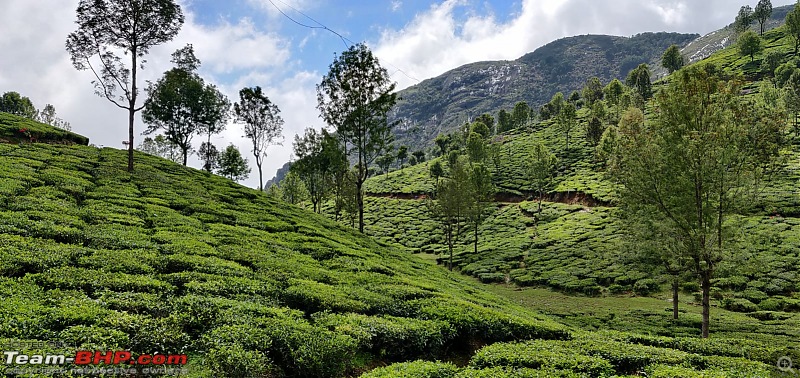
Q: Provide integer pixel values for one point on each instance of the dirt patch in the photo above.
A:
(403, 196)
(570, 198)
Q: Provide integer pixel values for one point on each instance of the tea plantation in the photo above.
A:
(169, 259)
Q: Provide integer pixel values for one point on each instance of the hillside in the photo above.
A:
(440, 104)
(173, 260)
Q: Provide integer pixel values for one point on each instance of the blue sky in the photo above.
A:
(248, 43)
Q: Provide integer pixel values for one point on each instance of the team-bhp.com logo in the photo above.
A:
(85, 357)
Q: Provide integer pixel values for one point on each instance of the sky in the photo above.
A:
(286, 47)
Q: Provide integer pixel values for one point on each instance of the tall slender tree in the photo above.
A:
(263, 125)
(743, 19)
(107, 28)
(793, 25)
(355, 97)
(762, 13)
(695, 164)
(672, 59)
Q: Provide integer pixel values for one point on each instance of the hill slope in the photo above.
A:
(440, 104)
(173, 260)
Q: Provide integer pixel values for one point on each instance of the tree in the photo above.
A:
(481, 191)
(476, 148)
(566, 120)
(793, 26)
(639, 80)
(419, 155)
(442, 141)
(552, 108)
(594, 131)
(672, 59)
(487, 120)
(613, 94)
(437, 170)
(743, 19)
(592, 91)
(384, 162)
(480, 128)
(355, 97)
(541, 171)
(182, 104)
(749, 43)
(450, 204)
(160, 146)
(48, 116)
(771, 62)
(521, 114)
(108, 28)
(293, 190)
(263, 124)
(695, 164)
(402, 155)
(505, 121)
(14, 103)
(210, 155)
(762, 13)
(232, 165)
(319, 158)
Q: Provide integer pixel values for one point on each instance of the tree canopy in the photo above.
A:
(263, 125)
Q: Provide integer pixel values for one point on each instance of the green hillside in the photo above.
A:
(441, 104)
(169, 259)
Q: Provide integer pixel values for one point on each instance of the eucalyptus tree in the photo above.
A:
(263, 125)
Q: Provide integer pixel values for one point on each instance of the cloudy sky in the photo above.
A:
(281, 45)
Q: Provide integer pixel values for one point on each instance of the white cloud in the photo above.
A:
(396, 5)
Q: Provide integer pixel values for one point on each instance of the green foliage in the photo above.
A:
(743, 19)
(672, 59)
(749, 44)
(793, 26)
(232, 165)
(416, 369)
(263, 124)
(16, 104)
(762, 12)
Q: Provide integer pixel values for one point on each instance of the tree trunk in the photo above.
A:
(476, 237)
(450, 248)
(260, 177)
(132, 109)
(185, 151)
(360, 200)
(705, 284)
(675, 297)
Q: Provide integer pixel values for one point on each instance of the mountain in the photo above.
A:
(710, 43)
(440, 104)
(229, 282)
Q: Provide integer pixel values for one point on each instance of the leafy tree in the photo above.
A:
(694, 165)
(743, 19)
(181, 104)
(521, 114)
(412, 160)
(599, 110)
(771, 62)
(210, 156)
(293, 190)
(575, 99)
(505, 121)
(793, 26)
(481, 191)
(553, 108)
(791, 97)
(540, 171)
(592, 91)
(48, 116)
(355, 97)
(232, 165)
(419, 155)
(14, 103)
(613, 95)
(263, 124)
(449, 205)
(749, 43)
(639, 80)
(672, 59)
(567, 119)
(316, 154)
(384, 162)
(437, 170)
(476, 147)
(117, 29)
(762, 12)
(594, 131)
(160, 146)
(487, 120)
(402, 155)
(480, 128)
(783, 73)
(442, 141)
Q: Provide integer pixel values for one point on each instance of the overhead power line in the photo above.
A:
(322, 26)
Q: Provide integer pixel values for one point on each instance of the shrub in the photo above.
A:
(235, 361)
(739, 305)
(415, 369)
(556, 355)
(646, 286)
